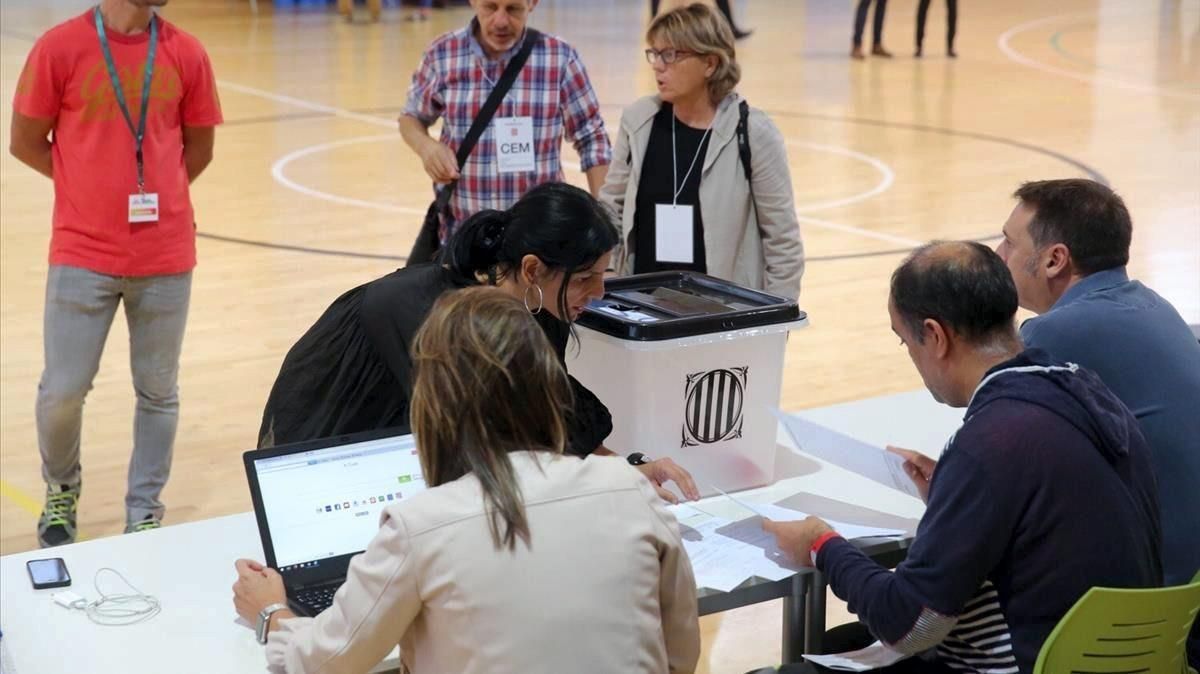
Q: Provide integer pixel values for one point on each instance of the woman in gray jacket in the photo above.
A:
(699, 179)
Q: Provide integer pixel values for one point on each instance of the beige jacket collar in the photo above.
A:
(724, 127)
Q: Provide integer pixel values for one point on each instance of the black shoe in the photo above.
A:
(951, 53)
(56, 526)
(917, 53)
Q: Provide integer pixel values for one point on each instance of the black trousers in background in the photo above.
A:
(860, 21)
(951, 21)
(723, 6)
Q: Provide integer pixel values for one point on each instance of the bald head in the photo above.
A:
(962, 285)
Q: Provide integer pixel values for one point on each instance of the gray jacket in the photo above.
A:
(759, 249)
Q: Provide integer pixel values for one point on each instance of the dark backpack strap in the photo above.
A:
(743, 140)
(490, 106)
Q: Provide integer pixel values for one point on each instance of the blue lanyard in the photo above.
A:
(139, 132)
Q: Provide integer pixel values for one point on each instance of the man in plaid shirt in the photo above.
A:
(521, 146)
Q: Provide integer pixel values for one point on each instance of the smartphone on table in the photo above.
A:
(48, 573)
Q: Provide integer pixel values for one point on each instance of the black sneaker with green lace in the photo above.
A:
(145, 524)
(56, 526)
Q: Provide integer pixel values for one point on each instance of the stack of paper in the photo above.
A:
(724, 553)
(779, 514)
(722, 563)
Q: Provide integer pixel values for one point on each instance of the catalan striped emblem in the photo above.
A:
(713, 412)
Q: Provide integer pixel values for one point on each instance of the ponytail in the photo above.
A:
(476, 247)
(560, 224)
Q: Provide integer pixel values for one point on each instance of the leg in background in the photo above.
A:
(880, 12)
(922, 13)
(727, 11)
(860, 23)
(951, 26)
(80, 306)
(156, 310)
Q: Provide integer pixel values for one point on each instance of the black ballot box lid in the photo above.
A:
(672, 305)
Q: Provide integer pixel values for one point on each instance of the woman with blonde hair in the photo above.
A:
(516, 559)
(700, 179)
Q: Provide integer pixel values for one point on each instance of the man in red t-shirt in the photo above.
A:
(123, 229)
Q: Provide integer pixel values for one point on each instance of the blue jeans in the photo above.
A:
(80, 306)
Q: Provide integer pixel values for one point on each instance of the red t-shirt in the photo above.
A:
(95, 167)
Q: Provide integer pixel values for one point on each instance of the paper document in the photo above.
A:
(718, 562)
(781, 514)
(844, 451)
(872, 657)
(724, 554)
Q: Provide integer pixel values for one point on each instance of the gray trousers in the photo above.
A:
(80, 306)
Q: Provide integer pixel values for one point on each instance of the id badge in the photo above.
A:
(674, 233)
(514, 144)
(143, 207)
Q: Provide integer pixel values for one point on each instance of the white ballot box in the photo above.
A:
(690, 367)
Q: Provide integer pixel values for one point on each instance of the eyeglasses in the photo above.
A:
(667, 56)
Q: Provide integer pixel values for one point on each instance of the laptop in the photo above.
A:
(318, 504)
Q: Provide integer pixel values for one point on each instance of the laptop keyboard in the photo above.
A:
(316, 599)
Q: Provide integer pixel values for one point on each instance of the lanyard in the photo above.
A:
(676, 188)
(139, 132)
(483, 71)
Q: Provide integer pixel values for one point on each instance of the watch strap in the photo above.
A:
(264, 620)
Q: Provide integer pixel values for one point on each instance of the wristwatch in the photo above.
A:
(264, 621)
(637, 459)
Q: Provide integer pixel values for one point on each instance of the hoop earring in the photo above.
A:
(541, 299)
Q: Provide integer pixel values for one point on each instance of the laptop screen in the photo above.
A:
(326, 502)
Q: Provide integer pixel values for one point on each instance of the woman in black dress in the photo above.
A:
(351, 371)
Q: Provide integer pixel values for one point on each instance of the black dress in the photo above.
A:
(352, 371)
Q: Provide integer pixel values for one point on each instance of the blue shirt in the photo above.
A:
(1143, 350)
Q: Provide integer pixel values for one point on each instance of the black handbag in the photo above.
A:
(425, 248)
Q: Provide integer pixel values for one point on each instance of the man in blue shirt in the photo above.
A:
(1066, 245)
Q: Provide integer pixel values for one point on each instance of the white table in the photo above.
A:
(189, 567)
(912, 420)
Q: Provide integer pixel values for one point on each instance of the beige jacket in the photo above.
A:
(605, 587)
(762, 251)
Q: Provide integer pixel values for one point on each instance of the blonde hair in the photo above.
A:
(487, 383)
(697, 28)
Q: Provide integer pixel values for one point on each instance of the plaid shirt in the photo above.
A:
(455, 78)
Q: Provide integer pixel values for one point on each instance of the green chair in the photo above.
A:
(1110, 630)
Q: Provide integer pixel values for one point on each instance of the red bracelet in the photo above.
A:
(820, 542)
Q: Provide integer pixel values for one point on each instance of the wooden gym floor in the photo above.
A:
(312, 192)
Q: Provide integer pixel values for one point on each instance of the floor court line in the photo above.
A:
(25, 502)
(17, 496)
(309, 105)
(1004, 42)
(279, 172)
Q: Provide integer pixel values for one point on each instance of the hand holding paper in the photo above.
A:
(918, 467)
(843, 451)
